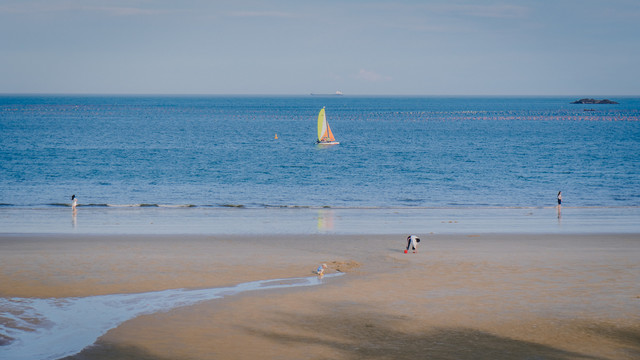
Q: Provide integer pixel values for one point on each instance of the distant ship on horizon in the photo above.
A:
(337, 93)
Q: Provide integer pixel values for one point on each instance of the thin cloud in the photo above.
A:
(127, 11)
(265, 14)
(31, 8)
(335, 76)
(371, 76)
(502, 11)
(497, 11)
(70, 6)
(443, 17)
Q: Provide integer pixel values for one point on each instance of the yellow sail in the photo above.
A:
(322, 125)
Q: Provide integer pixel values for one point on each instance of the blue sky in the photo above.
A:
(448, 47)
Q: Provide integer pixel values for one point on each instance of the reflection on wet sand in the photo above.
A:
(325, 220)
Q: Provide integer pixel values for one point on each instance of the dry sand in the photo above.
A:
(460, 297)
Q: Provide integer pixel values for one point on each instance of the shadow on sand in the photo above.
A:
(377, 339)
(364, 335)
(102, 351)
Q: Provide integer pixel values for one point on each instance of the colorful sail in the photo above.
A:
(322, 124)
(324, 131)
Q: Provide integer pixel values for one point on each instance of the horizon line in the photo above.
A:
(305, 94)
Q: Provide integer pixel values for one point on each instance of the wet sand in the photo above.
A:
(467, 296)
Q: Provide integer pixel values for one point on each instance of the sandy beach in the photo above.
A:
(464, 296)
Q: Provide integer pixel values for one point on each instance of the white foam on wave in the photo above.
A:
(54, 328)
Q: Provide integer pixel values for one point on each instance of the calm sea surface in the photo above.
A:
(401, 153)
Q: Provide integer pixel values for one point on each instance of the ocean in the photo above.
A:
(213, 164)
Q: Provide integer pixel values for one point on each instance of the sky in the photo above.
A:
(296, 47)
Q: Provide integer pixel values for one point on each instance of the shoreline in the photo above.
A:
(465, 296)
(311, 221)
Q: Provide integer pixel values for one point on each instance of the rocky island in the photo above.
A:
(594, 101)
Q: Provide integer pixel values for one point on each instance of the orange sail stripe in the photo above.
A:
(331, 138)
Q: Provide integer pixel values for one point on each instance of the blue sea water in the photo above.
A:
(395, 153)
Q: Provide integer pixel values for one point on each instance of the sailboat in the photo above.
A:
(325, 136)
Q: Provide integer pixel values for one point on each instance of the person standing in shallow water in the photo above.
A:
(559, 205)
(74, 202)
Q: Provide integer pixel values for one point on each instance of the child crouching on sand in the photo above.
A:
(412, 242)
(320, 270)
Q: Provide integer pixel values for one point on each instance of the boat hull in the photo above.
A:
(327, 142)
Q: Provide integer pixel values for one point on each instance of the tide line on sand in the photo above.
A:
(58, 327)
